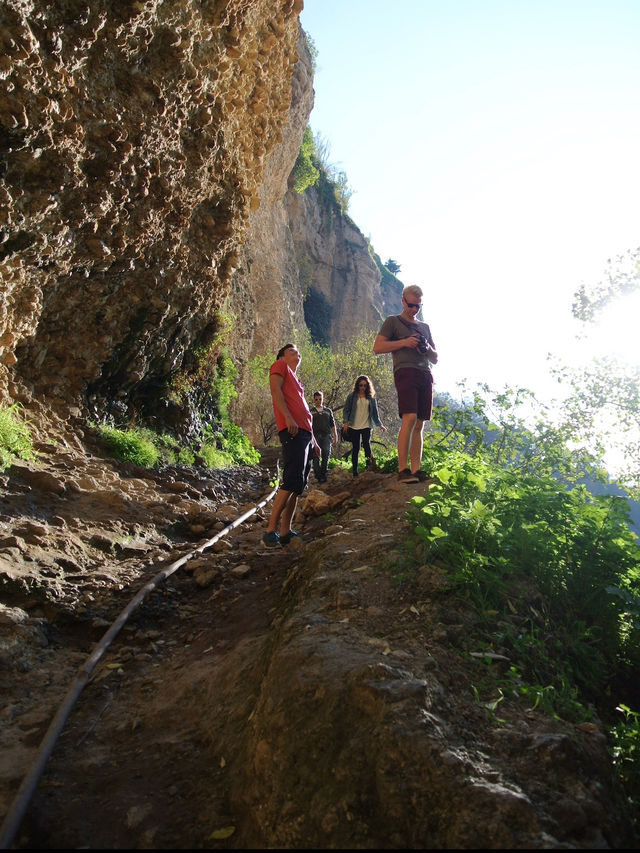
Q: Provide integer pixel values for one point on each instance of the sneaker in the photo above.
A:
(271, 539)
(284, 540)
(421, 475)
(406, 476)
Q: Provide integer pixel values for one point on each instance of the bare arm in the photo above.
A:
(275, 384)
(383, 345)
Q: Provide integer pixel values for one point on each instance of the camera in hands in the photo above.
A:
(422, 343)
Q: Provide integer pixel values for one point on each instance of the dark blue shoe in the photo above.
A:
(271, 540)
(284, 540)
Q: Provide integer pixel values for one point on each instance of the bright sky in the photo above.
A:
(493, 147)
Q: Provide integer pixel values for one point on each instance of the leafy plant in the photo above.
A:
(131, 445)
(543, 555)
(313, 50)
(146, 448)
(553, 573)
(15, 437)
(305, 174)
(314, 169)
(228, 447)
(625, 737)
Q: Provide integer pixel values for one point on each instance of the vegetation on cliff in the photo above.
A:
(553, 574)
(15, 436)
(313, 168)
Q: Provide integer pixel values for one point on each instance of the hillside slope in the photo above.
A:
(315, 698)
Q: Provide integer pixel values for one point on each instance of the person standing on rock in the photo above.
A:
(325, 434)
(360, 413)
(410, 343)
(295, 430)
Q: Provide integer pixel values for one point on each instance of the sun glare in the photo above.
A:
(616, 333)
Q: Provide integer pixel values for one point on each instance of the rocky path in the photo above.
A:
(321, 696)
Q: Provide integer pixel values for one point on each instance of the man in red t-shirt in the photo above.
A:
(295, 429)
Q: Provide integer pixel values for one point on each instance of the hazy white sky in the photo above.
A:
(493, 150)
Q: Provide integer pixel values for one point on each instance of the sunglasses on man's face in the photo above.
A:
(413, 304)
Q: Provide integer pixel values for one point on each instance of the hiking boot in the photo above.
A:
(421, 475)
(405, 476)
(371, 464)
(284, 540)
(271, 540)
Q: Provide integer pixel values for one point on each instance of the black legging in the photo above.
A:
(356, 435)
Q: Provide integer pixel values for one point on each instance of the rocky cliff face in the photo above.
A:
(134, 139)
(339, 278)
(145, 153)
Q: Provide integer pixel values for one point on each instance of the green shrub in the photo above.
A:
(625, 737)
(312, 48)
(219, 449)
(549, 569)
(131, 445)
(304, 173)
(15, 437)
(171, 451)
(227, 447)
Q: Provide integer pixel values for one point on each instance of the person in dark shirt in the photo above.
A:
(410, 343)
(325, 434)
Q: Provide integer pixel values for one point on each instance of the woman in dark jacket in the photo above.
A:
(360, 416)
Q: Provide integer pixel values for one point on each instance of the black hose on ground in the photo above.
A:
(14, 816)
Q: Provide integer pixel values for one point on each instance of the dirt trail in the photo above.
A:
(294, 697)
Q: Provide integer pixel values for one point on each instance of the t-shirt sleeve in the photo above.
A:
(278, 368)
(388, 329)
(429, 336)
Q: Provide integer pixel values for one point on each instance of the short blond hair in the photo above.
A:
(412, 290)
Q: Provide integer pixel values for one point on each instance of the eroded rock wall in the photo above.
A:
(266, 298)
(304, 258)
(133, 138)
(338, 276)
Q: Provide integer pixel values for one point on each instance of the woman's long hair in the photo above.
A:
(370, 391)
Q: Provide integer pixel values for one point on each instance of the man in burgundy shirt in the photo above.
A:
(295, 429)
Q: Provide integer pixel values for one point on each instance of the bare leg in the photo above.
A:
(287, 513)
(279, 503)
(416, 446)
(405, 439)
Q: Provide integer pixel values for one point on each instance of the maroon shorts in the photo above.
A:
(415, 392)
